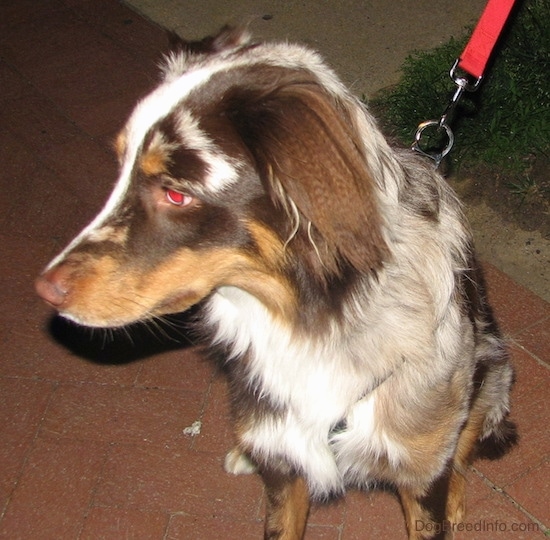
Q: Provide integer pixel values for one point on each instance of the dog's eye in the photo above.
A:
(177, 199)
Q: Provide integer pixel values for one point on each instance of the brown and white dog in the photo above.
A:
(334, 273)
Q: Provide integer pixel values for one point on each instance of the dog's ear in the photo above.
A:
(306, 142)
(184, 53)
(228, 37)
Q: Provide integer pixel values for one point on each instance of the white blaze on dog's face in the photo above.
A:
(211, 166)
(173, 230)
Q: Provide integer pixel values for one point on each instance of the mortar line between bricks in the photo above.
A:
(170, 517)
(536, 322)
(93, 491)
(30, 448)
(204, 405)
(535, 357)
(532, 324)
(502, 492)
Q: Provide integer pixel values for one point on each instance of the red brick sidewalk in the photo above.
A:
(94, 449)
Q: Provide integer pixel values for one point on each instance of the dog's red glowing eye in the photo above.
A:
(176, 198)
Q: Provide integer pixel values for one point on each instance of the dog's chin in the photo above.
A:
(97, 322)
(91, 320)
(176, 303)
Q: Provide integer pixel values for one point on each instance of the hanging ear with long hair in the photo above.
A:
(307, 143)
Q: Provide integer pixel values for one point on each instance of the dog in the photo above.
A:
(333, 273)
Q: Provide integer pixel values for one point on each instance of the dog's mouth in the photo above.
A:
(175, 304)
(115, 318)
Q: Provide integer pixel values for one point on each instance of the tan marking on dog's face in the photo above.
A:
(106, 293)
(117, 235)
(154, 162)
(120, 145)
(156, 158)
(268, 243)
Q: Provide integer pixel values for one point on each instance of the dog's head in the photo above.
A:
(246, 167)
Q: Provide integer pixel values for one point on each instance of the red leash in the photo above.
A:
(472, 62)
(476, 54)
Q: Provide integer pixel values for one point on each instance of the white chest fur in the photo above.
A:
(318, 386)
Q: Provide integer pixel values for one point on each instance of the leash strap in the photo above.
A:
(472, 63)
(476, 54)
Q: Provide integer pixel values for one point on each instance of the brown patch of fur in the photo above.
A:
(308, 150)
(425, 511)
(444, 500)
(269, 245)
(415, 514)
(456, 497)
(326, 177)
(94, 288)
(156, 158)
(153, 162)
(464, 455)
(426, 433)
(287, 506)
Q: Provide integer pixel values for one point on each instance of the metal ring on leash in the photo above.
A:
(439, 125)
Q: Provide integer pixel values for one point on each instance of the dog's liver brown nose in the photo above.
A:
(51, 288)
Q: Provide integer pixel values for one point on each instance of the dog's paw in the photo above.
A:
(238, 463)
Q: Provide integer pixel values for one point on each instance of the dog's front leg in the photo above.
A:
(287, 506)
(425, 509)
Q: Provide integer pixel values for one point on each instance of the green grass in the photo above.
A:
(506, 123)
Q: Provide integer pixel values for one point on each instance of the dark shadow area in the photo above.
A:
(127, 344)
